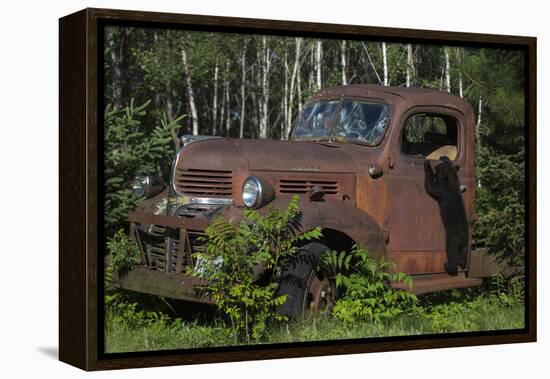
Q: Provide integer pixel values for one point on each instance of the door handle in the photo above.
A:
(463, 188)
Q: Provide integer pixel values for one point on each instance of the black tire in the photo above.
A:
(307, 290)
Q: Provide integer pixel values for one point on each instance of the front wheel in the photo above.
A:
(308, 289)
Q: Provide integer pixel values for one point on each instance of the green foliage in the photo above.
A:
(365, 284)
(500, 155)
(500, 205)
(235, 250)
(130, 150)
(474, 309)
(130, 327)
(124, 252)
(508, 291)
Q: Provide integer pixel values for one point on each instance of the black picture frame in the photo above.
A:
(80, 197)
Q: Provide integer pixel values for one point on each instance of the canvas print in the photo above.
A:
(275, 189)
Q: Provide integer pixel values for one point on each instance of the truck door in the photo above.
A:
(416, 233)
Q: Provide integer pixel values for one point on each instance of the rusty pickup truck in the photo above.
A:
(356, 160)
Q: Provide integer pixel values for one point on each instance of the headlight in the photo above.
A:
(252, 192)
(140, 185)
(256, 192)
(147, 186)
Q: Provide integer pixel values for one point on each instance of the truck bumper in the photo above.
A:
(166, 245)
(175, 286)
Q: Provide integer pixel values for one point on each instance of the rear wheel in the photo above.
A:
(309, 290)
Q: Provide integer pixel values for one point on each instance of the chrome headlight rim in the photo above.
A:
(147, 186)
(259, 192)
(141, 185)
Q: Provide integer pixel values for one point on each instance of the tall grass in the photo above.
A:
(130, 328)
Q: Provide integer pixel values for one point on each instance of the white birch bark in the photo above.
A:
(479, 110)
(190, 94)
(215, 100)
(409, 64)
(243, 91)
(227, 102)
(311, 78)
(284, 105)
(460, 82)
(385, 63)
(299, 88)
(265, 66)
(343, 62)
(318, 64)
(447, 70)
(293, 78)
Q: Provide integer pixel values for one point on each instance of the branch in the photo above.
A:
(372, 64)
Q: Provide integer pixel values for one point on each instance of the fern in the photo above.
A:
(232, 253)
(365, 284)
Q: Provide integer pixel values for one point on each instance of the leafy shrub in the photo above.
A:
(124, 252)
(131, 148)
(235, 250)
(509, 291)
(365, 284)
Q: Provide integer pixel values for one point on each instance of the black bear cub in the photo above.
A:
(444, 187)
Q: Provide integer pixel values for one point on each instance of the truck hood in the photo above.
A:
(269, 155)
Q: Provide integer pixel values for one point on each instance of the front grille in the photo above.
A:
(329, 187)
(206, 183)
(162, 246)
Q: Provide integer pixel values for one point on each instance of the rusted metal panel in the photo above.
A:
(168, 221)
(438, 282)
(420, 262)
(176, 286)
(342, 216)
(134, 234)
(414, 220)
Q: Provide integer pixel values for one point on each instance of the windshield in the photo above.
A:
(346, 119)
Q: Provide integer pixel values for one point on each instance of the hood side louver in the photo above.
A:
(302, 186)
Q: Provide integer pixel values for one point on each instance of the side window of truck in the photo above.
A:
(430, 136)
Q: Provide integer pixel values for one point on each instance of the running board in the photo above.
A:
(438, 282)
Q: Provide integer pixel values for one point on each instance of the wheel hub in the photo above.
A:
(319, 294)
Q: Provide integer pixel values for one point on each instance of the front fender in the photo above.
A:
(336, 215)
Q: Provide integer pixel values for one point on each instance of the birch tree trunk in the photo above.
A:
(286, 95)
(318, 64)
(299, 87)
(190, 93)
(227, 101)
(410, 66)
(265, 65)
(254, 96)
(293, 78)
(311, 78)
(365, 48)
(447, 70)
(215, 100)
(385, 63)
(222, 107)
(479, 110)
(116, 87)
(460, 85)
(460, 82)
(243, 90)
(343, 62)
